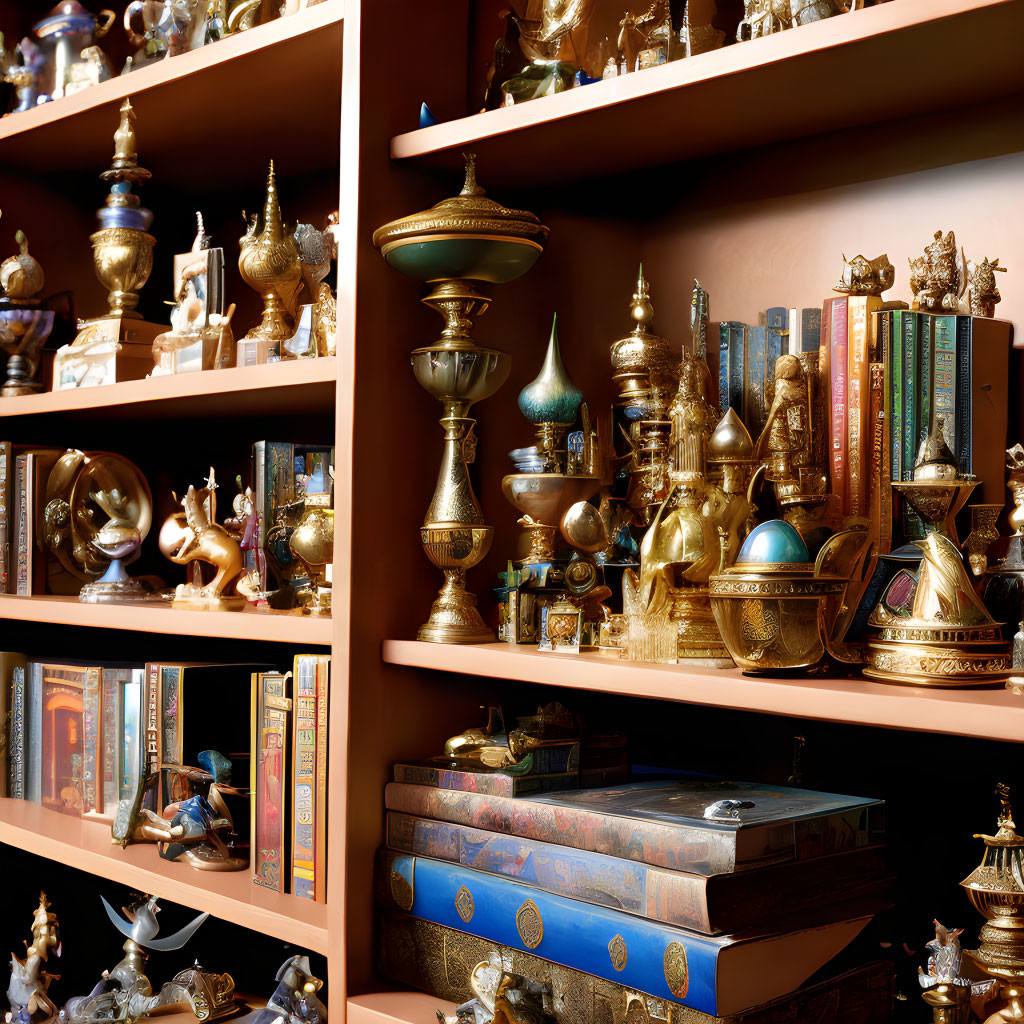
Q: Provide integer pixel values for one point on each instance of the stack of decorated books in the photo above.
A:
(688, 899)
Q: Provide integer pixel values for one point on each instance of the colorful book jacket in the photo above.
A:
(737, 368)
(92, 733)
(711, 905)
(34, 733)
(21, 567)
(63, 735)
(132, 752)
(879, 487)
(274, 487)
(913, 528)
(836, 309)
(944, 376)
(926, 378)
(709, 973)
(270, 765)
(9, 661)
(309, 775)
(438, 960)
(16, 740)
(857, 430)
(891, 329)
(662, 823)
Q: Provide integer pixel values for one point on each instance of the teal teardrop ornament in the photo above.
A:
(551, 397)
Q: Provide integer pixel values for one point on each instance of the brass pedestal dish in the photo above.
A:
(459, 247)
(544, 499)
(778, 611)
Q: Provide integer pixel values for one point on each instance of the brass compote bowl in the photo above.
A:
(458, 247)
(544, 499)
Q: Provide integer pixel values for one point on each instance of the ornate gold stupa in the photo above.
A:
(269, 264)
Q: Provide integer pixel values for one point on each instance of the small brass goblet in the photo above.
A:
(312, 542)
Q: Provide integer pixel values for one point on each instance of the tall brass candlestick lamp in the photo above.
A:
(459, 246)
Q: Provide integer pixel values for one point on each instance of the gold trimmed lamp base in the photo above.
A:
(454, 618)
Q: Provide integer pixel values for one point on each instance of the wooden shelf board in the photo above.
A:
(296, 385)
(986, 713)
(86, 845)
(156, 617)
(286, 72)
(396, 1008)
(856, 69)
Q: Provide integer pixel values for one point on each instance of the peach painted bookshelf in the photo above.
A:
(777, 87)
(987, 713)
(211, 119)
(230, 895)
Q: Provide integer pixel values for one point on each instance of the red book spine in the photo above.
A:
(839, 397)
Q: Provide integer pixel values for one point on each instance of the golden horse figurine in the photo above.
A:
(194, 535)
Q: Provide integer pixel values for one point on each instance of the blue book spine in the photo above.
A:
(757, 410)
(737, 369)
(964, 427)
(776, 322)
(34, 735)
(623, 949)
(926, 378)
(810, 336)
(16, 740)
(723, 366)
(944, 370)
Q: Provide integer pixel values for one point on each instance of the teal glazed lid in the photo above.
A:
(467, 237)
(773, 543)
(551, 397)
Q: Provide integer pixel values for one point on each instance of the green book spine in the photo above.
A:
(926, 379)
(944, 379)
(911, 380)
(892, 343)
(964, 426)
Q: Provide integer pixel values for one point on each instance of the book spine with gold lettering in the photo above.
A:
(839, 400)
(304, 777)
(880, 491)
(323, 674)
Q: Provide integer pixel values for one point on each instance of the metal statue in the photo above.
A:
(982, 289)
(27, 991)
(939, 277)
(862, 276)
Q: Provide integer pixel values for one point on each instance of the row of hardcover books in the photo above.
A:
(85, 739)
(894, 376)
(713, 896)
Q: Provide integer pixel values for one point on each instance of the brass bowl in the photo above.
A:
(772, 620)
(460, 375)
(457, 546)
(546, 497)
(123, 258)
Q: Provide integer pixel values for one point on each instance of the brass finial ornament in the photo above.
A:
(982, 291)
(122, 248)
(996, 890)
(938, 278)
(459, 247)
(269, 264)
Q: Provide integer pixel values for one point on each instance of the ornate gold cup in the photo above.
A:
(123, 259)
(458, 247)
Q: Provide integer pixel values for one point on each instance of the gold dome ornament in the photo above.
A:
(459, 247)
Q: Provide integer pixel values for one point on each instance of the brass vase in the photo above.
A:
(459, 247)
(123, 259)
(268, 262)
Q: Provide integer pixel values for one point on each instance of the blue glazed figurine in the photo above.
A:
(551, 402)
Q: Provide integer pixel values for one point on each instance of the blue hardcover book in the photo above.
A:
(756, 364)
(34, 734)
(737, 369)
(711, 904)
(944, 376)
(16, 738)
(724, 335)
(713, 974)
(810, 329)
(776, 322)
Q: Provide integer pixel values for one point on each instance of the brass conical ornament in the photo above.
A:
(459, 247)
(268, 262)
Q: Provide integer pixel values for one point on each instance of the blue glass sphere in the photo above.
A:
(773, 542)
